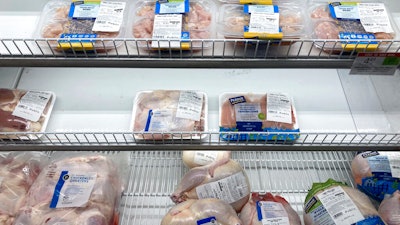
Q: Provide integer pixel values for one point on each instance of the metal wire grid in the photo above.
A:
(208, 48)
(154, 176)
(191, 140)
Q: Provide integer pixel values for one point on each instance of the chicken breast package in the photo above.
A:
(208, 211)
(252, 114)
(389, 209)
(87, 21)
(268, 209)
(73, 190)
(360, 24)
(24, 111)
(377, 173)
(335, 203)
(18, 170)
(169, 114)
(282, 21)
(188, 22)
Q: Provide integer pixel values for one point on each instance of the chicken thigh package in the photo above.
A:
(208, 211)
(85, 21)
(169, 114)
(268, 209)
(252, 114)
(335, 203)
(18, 170)
(24, 111)
(360, 24)
(200, 158)
(223, 179)
(179, 25)
(74, 189)
(389, 209)
(377, 173)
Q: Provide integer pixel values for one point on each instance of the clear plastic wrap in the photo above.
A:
(389, 209)
(24, 111)
(200, 158)
(75, 189)
(160, 113)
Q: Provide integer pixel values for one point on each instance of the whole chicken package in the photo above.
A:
(24, 111)
(208, 211)
(335, 203)
(389, 209)
(74, 190)
(169, 114)
(18, 170)
(253, 114)
(268, 209)
(377, 173)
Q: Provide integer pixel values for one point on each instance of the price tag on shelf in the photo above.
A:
(375, 64)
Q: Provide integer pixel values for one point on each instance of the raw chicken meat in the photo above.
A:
(326, 30)
(321, 12)
(101, 207)
(389, 209)
(279, 208)
(17, 173)
(191, 211)
(223, 179)
(200, 158)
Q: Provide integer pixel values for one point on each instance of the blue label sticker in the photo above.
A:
(77, 36)
(168, 7)
(185, 36)
(378, 187)
(259, 213)
(146, 128)
(207, 221)
(247, 9)
(357, 36)
(56, 195)
(372, 220)
(347, 11)
(249, 126)
(259, 136)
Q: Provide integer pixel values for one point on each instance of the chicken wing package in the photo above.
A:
(389, 209)
(377, 173)
(208, 211)
(201, 158)
(257, 113)
(24, 111)
(80, 25)
(268, 209)
(74, 189)
(187, 23)
(169, 114)
(335, 203)
(282, 21)
(361, 25)
(18, 170)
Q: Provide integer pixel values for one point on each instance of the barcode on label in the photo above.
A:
(338, 215)
(101, 21)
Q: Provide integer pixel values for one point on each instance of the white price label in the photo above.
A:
(85, 10)
(375, 64)
(169, 27)
(160, 120)
(110, 17)
(272, 213)
(264, 22)
(374, 17)
(205, 157)
(190, 105)
(32, 105)
(279, 108)
(248, 112)
(261, 8)
(394, 161)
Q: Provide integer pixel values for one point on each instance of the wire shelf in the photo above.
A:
(154, 175)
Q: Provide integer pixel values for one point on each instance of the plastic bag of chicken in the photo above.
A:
(18, 170)
(75, 188)
(389, 209)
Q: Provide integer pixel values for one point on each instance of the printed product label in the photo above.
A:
(279, 108)
(378, 187)
(248, 112)
(167, 26)
(339, 206)
(190, 105)
(344, 10)
(204, 157)
(272, 213)
(110, 16)
(264, 22)
(374, 17)
(158, 120)
(380, 165)
(32, 105)
(320, 216)
(84, 9)
(394, 161)
(73, 189)
(373, 220)
(229, 189)
(177, 6)
(236, 100)
(260, 8)
(207, 221)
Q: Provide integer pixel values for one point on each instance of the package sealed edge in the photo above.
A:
(152, 125)
(73, 27)
(252, 121)
(38, 105)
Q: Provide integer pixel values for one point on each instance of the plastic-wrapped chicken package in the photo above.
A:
(389, 209)
(18, 170)
(75, 189)
(201, 158)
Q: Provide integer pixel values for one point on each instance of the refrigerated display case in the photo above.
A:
(338, 113)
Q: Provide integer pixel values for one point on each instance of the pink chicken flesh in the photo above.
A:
(249, 214)
(191, 211)
(389, 209)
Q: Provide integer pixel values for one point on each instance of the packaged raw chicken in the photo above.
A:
(286, 21)
(359, 24)
(188, 27)
(169, 114)
(80, 24)
(74, 190)
(335, 203)
(389, 209)
(18, 170)
(257, 113)
(377, 173)
(200, 158)
(268, 209)
(24, 111)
